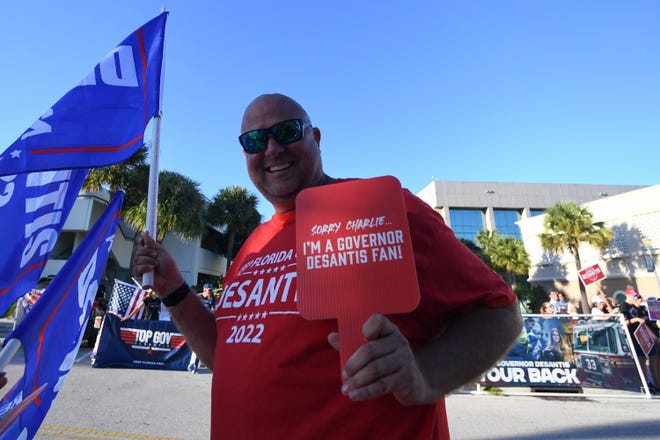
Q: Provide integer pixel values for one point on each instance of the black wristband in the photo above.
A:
(177, 295)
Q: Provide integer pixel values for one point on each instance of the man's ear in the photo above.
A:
(317, 135)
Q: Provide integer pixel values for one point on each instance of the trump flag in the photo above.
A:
(101, 121)
(33, 208)
(51, 333)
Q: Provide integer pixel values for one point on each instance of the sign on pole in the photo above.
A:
(591, 274)
(653, 307)
(645, 338)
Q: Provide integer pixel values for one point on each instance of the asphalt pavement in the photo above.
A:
(111, 403)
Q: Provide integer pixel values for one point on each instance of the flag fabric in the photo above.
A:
(125, 299)
(101, 121)
(51, 333)
(33, 208)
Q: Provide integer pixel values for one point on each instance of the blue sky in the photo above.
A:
(557, 91)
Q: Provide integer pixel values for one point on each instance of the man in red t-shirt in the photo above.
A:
(275, 374)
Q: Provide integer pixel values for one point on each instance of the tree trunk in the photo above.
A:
(511, 278)
(584, 301)
(231, 235)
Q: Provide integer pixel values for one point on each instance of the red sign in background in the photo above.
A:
(645, 338)
(354, 255)
(591, 274)
(653, 307)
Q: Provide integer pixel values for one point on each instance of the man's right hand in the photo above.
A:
(149, 255)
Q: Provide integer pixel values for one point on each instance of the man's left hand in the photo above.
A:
(384, 364)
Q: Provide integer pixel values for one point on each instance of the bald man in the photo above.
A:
(275, 374)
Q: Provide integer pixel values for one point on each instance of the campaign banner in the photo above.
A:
(567, 351)
(140, 343)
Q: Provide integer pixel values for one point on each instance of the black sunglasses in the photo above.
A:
(285, 132)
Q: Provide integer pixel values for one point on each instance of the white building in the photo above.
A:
(516, 209)
(197, 262)
(469, 207)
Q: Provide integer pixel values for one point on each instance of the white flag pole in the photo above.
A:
(154, 171)
(8, 352)
(137, 283)
(152, 195)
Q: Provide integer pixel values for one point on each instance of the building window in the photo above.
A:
(63, 248)
(535, 212)
(466, 223)
(505, 222)
(618, 247)
(212, 241)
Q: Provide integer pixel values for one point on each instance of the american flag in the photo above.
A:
(125, 298)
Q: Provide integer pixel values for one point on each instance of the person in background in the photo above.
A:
(614, 305)
(208, 298)
(554, 300)
(561, 307)
(25, 303)
(151, 306)
(547, 308)
(635, 315)
(277, 375)
(606, 300)
(598, 306)
(570, 305)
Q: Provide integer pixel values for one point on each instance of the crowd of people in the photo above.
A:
(558, 304)
(634, 313)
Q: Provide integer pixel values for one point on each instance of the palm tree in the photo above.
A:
(180, 202)
(235, 208)
(566, 226)
(181, 208)
(507, 254)
(485, 238)
(132, 176)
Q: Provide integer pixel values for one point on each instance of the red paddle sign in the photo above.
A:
(354, 255)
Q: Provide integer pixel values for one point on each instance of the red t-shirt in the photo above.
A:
(275, 375)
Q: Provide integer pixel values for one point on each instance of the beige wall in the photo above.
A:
(634, 217)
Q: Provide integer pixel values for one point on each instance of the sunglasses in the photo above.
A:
(285, 132)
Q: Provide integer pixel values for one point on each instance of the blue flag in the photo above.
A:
(99, 122)
(52, 331)
(33, 208)
(102, 120)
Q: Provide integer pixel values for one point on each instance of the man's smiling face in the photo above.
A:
(281, 171)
